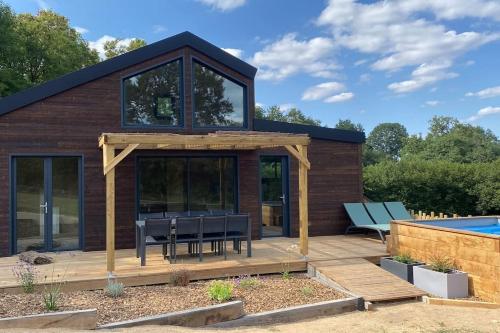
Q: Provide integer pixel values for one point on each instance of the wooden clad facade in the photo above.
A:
(70, 122)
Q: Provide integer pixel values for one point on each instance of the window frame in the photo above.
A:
(228, 77)
(180, 125)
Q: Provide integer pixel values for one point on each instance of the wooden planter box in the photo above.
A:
(404, 271)
(446, 285)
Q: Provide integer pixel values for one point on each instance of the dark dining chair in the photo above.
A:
(214, 231)
(238, 228)
(155, 232)
(188, 230)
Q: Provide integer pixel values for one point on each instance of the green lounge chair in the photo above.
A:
(398, 210)
(378, 212)
(361, 220)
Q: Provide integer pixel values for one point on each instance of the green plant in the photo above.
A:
(114, 289)
(27, 275)
(404, 258)
(285, 272)
(307, 291)
(220, 291)
(247, 282)
(52, 290)
(180, 277)
(441, 264)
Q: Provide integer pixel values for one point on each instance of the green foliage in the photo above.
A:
(439, 186)
(180, 278)
(453, 141)
(114, 289)
(307, 291)
(387, 138)
(293, 115)
(404, 258)
(347, 124)
(38, 48)
(220, 291)
(116, 47)
(26, 274)
(247, 282)
(52, 290)
(442, 264)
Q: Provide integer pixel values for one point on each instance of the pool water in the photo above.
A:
(492, 229)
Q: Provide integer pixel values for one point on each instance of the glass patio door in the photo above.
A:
(274, 196)
(46, 203)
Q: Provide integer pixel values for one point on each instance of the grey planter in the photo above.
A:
(404, 271)
(446, 285)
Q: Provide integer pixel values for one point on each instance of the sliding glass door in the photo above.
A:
(182, 184)
(46, 203)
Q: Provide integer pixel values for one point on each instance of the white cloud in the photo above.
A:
(487, 111)
(394, 31)
(432, 103)
(360, 62)
(223, 5)
(342, 97)
(470, 63)
(42, 4)
(98, 45)
(238, 53)
(289, 56)
(286, 107)
(365, 77)
(158, 28)
(424, 75)
(322, 90)
(81, 30)
(485, 93)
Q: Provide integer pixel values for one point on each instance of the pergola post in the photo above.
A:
(303, 204)
(108, 155)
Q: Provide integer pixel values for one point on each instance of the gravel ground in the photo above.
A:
(269, 293)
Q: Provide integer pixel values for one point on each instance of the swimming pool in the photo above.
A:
(484, 225)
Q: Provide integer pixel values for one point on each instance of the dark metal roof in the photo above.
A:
(315, 132)
(71, 80)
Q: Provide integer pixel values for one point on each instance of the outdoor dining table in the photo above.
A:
(141, 225)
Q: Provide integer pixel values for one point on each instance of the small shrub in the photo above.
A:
(285, 272)
(220, 291)
(27, 275)
(404, 258)
(442, 264)
(180, 278)
(286, 275)
(52, 291)
(247, 281)
(307, 291)
(114, 289)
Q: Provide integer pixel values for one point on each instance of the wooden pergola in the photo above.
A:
(296, 144)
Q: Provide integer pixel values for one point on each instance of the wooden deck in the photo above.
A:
(345, 259)
(364, 279)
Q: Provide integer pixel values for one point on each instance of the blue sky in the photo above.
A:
(368, 61)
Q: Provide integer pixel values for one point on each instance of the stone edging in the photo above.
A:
(80, 319)
(192, 317)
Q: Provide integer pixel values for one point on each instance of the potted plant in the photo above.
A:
(401, 266)
(441, 278)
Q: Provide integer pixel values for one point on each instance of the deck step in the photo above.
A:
(367, 280)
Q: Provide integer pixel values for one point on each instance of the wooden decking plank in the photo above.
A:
(366, 279)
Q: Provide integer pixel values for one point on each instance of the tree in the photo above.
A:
(38, 48)
(387, 138)
(116, 47)
(347, 124)
(442, 125)
(293, 115)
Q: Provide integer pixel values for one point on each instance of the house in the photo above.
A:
(53, 192)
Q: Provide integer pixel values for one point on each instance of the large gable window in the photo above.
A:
(154, 97)
(218, 100)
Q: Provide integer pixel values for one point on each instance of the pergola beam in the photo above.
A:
(295, 144)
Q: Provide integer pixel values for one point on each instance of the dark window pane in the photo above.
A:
(65, 203)
(164, 184)
(154, 97)
(218, 100)
(212, 184)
